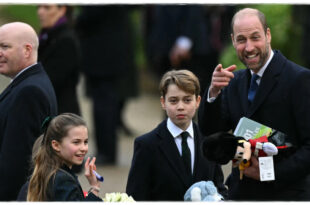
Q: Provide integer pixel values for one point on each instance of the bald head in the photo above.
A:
(24, 34)
(243, 13)
(18, 48)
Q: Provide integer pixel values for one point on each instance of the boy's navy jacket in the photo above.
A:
(157, 172)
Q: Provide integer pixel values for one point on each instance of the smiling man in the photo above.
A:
(273, 91)
(24, 104)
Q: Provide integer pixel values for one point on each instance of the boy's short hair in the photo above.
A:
(184, 79)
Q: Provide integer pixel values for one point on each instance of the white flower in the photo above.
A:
(118, 197)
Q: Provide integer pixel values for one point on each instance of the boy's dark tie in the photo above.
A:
(186, 153)
(253, 87)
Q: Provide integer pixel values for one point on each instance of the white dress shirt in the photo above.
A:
(176, 133)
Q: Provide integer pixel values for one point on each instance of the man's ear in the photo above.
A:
(28, 50)
(56, 145)
(268, 35)
(162, 101)
(232, 40)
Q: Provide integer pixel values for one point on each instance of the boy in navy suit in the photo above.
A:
(168, 160)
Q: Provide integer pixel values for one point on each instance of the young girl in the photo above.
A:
(64, 143)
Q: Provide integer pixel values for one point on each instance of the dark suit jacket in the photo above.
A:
(165, 23)
(157, 172)
(24, 104)
(60, 55)
(63, 186)
(281, 102)
(168, 22)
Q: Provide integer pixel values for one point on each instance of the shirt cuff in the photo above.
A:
(211, 99)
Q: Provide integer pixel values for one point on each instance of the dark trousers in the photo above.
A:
(105, 112)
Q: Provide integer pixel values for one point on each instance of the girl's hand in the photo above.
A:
(89, 174)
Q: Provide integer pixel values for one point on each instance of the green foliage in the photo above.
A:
(136, 16)
(283, 31)
(229, 57)
(24, 13)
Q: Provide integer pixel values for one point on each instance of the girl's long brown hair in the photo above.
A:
(46, 161)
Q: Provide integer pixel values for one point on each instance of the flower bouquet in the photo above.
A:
(117, 197)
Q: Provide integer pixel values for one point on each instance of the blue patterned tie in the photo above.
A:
(253, 87)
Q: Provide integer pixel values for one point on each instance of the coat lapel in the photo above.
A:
(170, 150)
(197, 140)
(267, 84)
(243, 90)
(21, 77)
(6, 91)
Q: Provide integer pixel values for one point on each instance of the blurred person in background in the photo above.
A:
(106, 39)
(300, 17)
(186, 36)
(59, 52)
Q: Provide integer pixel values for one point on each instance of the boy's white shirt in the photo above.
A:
(176, 131)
